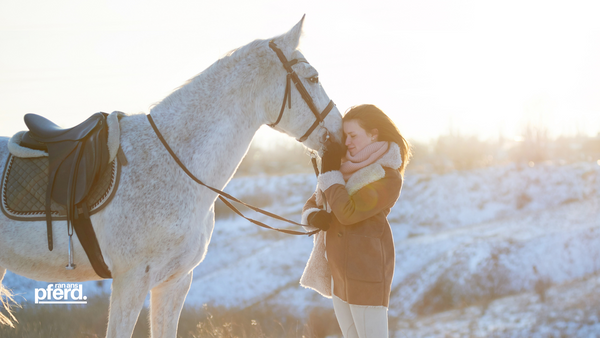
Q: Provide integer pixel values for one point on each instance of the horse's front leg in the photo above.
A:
(126, 300)
(166, 302)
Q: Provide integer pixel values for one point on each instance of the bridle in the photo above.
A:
(287, 96)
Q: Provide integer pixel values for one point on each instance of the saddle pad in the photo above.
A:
(24, 185)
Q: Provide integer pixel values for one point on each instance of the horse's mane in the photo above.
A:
(239, 53)
(233, 56)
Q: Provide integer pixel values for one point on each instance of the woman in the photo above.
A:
(353, 257)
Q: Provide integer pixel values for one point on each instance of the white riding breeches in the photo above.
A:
(359, 321)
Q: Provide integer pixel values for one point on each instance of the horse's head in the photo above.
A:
(299, 119)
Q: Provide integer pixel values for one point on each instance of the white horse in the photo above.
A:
(158, 226)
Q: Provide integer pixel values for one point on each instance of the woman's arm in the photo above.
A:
(309, 207)
(366, 202)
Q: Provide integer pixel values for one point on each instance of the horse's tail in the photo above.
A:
(6, 300)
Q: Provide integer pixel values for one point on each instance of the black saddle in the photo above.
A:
(47, 131)
(77, 157)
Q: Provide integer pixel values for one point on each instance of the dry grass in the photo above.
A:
(7, 303)
(89, 321)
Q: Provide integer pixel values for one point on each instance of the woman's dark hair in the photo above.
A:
(370, 117)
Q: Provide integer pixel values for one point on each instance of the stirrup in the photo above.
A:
(70, 266)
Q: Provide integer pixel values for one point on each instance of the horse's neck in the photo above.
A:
(207, 129)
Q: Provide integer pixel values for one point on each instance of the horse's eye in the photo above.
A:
(314, 79)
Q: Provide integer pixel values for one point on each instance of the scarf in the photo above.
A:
(368, 155)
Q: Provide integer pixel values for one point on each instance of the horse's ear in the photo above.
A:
(292, 37)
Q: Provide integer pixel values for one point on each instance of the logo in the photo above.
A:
(60, 293)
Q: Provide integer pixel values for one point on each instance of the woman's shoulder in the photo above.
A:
(392, 158)
(392, 174)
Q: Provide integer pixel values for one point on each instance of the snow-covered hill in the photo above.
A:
(462, 239)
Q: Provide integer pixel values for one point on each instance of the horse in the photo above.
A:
(159, 223)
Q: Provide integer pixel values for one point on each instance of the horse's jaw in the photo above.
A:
(329, 131)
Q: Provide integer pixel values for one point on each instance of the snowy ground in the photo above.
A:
(568, 310)
(474, 249)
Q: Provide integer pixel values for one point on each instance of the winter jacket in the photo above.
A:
(358, 249)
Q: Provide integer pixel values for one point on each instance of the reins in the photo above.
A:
(287, 98)
(223, 196)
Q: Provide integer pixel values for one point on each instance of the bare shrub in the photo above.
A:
(422, 157)
(534, 144)
(591, 147)
(460, 152)
(275, 159)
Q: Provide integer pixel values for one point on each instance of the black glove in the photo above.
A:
(320, 219)
(332, 157)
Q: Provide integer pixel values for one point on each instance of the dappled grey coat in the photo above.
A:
(358, 249)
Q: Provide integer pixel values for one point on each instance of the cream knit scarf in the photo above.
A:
(366, 156)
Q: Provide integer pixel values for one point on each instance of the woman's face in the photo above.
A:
(356, 137)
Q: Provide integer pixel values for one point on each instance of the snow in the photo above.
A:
(493, 236)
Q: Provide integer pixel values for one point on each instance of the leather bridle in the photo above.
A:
(287, 96)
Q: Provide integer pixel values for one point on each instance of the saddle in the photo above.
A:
(77, 158)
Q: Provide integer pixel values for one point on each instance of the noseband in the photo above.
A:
(287, 97)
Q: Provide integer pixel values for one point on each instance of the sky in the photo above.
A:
(480, 68)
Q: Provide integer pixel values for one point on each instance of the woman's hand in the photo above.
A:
(320, 219)
(332, 157)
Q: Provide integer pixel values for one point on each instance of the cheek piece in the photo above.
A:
(287, 96)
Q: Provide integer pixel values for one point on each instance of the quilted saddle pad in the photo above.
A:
(24, 185)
